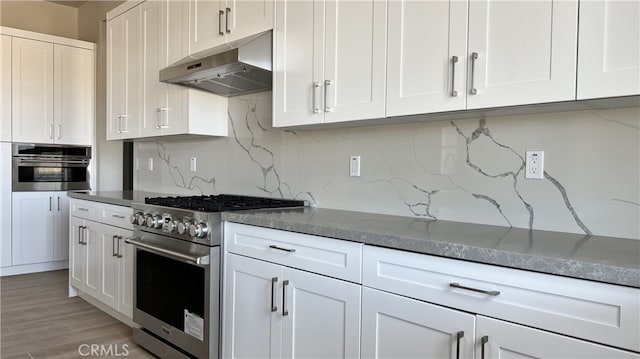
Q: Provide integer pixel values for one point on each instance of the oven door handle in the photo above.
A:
(199, 260)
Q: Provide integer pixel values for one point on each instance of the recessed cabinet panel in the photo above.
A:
(521, 52)
(426, 56)
(609, 49)
(206, 24)
(247, 18)
(32, 243)
(32, 91)
(5, 88)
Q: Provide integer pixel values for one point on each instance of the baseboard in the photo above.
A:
(33, 268)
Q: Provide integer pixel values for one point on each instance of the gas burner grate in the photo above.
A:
(223, 202)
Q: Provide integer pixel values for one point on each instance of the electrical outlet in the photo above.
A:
(150, 164)
(354, 166)
(534, 167)
(192, 164)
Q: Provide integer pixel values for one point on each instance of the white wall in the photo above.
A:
(40, 16)
(466, 170)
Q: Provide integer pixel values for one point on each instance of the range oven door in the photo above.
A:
(176, 292)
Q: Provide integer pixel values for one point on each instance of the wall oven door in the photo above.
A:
(176, 292)
(50, 167)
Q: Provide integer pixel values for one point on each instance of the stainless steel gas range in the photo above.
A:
(177, 271)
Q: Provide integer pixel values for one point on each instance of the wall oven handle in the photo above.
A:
(199, 260)
(53, 161)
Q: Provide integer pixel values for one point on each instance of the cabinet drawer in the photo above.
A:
(603, 313)
(115, 215)
(84, 209)
(330, 257)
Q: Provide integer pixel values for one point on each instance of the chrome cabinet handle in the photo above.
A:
(285, 312)
(459, 335)
(119, 130)
(454, 61)
(113, 246)
(79, 234)
(51, 131)
(316, 101)
(59, 131)
(125, 123)
(158, 116)
(226, 20)
(274, 280)
(58, 204)
(83, 235)
(327, 83)
(489, 292)
(118, 254)
(484, 340)
(474, 57)
(220, 32)
(164, 115)
(273, 246)
(117, 216)
(50, 205)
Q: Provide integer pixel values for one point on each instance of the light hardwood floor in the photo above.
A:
(38, 320)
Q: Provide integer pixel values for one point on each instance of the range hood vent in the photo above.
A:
(235, 72)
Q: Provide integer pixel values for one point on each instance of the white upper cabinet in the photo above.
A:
(169, 109)
(426, 56)
(73, 95)
(609, 49)
(215, 23)
(329, 61)
(124, 76)
(5, 88)
(53, 92)
(32, 91)
(521, 52)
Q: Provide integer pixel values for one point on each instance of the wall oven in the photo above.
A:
(50, 167)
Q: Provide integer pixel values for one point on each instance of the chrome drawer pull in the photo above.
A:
(489, 292)
(282, 249)
(117, 216)
(83, 209)
(274, 307)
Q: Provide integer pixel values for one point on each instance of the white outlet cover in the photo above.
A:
(193, 164)
(150, 164)
(534, 165)
(354, 166)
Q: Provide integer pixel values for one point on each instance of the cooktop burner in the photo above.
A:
(223, 202)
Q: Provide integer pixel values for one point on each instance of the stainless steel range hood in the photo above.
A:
(235, 72)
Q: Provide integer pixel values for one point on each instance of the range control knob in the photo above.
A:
(172, 226)
(154, 221)
(183, 227)
(198, 230)
(134, 217)
(140, 219)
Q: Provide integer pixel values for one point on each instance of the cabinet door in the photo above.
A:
(5, 88)
(73, 95)
(109, 270)
(399, 327)
(298, 37)
(355, 61)
(526, 52)
(115, 77)
(125, 251)
(32, 227)
(60, 226)
(609, 49)
(5, 204)
(499, 339)
(93, 259)
(153, 91)
(247, 18)
(76, 252)
(321, 316)
(252, 302)
(206, 25)
(32, 91)
(426, 56)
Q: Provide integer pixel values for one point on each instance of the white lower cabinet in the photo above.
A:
(101, 263)
(399, 327)
(271, 310)
(39, 227)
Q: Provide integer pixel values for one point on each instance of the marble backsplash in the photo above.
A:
(463, 170)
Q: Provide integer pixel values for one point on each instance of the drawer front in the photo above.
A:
(604, 313)
(83, 209)
(326, 256)
(118, 216)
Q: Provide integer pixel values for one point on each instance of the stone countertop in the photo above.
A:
(119, 198)
(597, 258)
